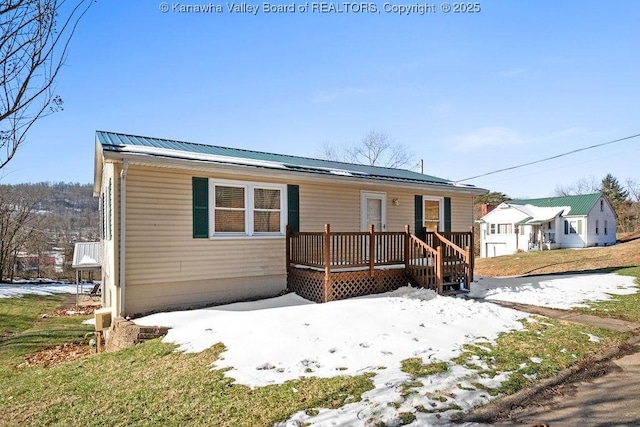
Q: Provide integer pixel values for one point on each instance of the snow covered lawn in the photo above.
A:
(279, 339)
(16, 290)
(554, 291)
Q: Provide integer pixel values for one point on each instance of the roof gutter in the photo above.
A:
(123, 234)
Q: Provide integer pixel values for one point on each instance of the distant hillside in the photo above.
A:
(41, 244)
(70, 211)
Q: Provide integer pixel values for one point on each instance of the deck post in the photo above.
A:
(327, 261)
(469, 276)
(440, 270)
(407, 235)
(288, 249)
(472, 259)
(372, 250)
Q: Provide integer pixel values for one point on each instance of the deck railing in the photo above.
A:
(441, 257)
(340, 250)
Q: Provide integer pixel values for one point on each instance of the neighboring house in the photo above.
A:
(547, 223)
(187, 224)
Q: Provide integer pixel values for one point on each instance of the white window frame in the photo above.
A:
(573, 226)
(440, 201)
(497, 228)
(504, 228)
(597, 226)
(606, 232)
(249, 208)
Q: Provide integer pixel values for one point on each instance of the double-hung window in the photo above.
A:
(500, 228)
(504, 228)
(267, 210)
(247, 209)
(230, 209)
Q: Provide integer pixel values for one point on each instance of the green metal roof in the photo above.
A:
(524, 221)
(580, 205)
(121, 143)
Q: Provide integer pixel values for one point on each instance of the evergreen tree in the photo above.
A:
(614, 192)
(492, 198)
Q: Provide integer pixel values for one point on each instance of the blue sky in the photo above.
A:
(468, 93)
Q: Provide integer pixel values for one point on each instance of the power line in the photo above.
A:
(550, 158)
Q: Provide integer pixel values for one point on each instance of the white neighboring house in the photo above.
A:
(547, 223)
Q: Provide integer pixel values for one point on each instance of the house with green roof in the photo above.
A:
(547, 223)
(186, 224)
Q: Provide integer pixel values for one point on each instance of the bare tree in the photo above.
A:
(34, 41)
(375, 149)
(633, 188)
(18, 222)
(586, 185)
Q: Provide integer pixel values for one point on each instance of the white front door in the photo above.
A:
(373, 211)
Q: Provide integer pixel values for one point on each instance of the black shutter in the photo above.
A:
(447, 214)
(419, 220)
(200, 187)
(293, 207)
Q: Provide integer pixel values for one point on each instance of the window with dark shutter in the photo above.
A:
(200, 196)
(293, 206)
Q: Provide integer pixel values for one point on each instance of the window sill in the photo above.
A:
(246, 237)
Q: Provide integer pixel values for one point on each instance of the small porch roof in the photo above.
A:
(537, 215)
(87, 256)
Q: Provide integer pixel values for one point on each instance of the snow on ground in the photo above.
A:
(284, 338)
(279, 339)
(16, 290)
(554, 291)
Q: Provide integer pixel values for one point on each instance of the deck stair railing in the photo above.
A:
(457, 261)
(424, 264)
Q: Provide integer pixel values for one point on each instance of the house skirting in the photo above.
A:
(315, 286)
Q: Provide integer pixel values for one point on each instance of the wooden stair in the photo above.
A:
(450, 288)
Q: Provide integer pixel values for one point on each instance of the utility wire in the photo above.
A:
(550, 158)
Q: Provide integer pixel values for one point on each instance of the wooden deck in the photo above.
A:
(327, 266)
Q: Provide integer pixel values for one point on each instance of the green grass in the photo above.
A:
(19, 314)
(558, 344)
(414, 366)
(626, 307)
(148, 384)
(151, 384)
(25, 332)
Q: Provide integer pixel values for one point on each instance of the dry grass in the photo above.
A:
(625, 254)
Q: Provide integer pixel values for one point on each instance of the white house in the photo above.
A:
(547, 223)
